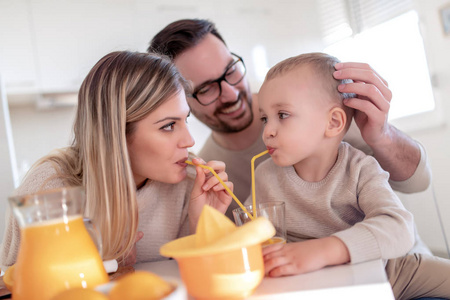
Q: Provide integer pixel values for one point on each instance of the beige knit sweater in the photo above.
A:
(239, 171)
(354, 202)
(162, 214)
(238, 166)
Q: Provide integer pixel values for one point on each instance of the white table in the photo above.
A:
(360, 281)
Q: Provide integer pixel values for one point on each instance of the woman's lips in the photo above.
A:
(182, 162)
(271, 150)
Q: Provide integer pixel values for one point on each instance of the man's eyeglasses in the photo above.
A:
(211, 91)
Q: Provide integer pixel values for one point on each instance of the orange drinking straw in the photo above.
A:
(253, 179)
(224, 185)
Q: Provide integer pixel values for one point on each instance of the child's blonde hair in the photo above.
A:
(323, 68)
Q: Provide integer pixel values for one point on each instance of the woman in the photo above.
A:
(130, 143)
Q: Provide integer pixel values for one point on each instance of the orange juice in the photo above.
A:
(274, 240)
(55, 255)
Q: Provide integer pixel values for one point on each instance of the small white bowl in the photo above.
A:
(179, 293)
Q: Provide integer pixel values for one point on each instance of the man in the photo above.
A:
(222, 100)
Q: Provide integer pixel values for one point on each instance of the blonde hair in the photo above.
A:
(323, 65)
(120, 90)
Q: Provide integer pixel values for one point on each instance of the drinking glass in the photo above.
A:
(274, 211)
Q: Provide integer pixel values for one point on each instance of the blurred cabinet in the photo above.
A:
(17, 63)
(48, 46)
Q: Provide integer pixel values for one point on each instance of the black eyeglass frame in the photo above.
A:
(222, 78)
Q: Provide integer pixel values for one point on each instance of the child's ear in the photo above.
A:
(336, 122)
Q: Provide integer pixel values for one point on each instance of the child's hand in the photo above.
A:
(208, 190)
(303, 257)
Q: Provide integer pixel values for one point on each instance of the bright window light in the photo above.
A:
(395, 50)
(259, 56)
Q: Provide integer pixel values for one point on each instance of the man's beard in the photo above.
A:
(215, 124)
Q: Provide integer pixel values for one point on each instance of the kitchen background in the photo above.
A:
(48, 46)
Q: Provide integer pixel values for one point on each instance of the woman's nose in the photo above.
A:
(187, 140)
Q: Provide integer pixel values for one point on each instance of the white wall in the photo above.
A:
(37, 132)
(52, 44)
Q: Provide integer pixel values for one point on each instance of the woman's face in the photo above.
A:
(159, 144)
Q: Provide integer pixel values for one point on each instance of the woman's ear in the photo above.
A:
(336, 122)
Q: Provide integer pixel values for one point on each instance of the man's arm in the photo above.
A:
(397, 154)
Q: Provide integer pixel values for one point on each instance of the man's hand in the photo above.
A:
(396, 152)
(372, 102)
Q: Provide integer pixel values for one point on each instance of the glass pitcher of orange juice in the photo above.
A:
(56, 251)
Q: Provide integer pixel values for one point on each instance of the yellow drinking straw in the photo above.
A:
(224, 185)
(253, 179)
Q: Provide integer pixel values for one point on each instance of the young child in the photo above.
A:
(340, 207)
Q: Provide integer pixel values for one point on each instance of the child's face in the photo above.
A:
(294, 109)
(159, 145)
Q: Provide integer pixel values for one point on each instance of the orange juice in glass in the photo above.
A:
(274, 211)
(56, 251)
(274, 240)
